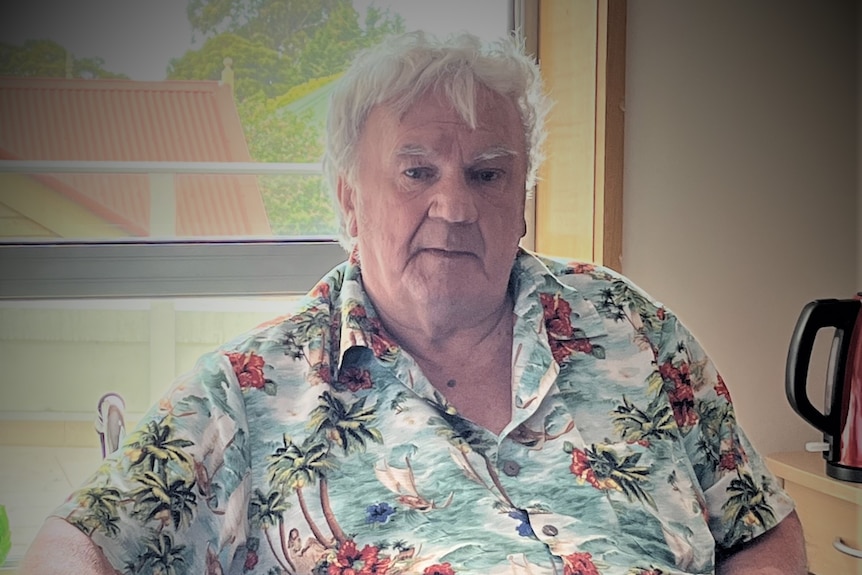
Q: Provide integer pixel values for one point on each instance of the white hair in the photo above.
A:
(403, 68)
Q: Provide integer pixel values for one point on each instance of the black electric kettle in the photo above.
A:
(841, 420)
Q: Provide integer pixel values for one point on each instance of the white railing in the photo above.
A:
(152, 267)
(225, 168)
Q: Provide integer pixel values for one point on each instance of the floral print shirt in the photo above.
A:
(315, 445)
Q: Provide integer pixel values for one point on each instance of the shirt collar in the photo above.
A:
(538, 286)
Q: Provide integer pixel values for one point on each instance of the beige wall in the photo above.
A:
(741, 178)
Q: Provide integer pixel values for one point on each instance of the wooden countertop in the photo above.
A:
(809, 469)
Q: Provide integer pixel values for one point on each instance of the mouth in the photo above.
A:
(448, 254)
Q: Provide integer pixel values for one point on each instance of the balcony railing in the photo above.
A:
(161, 265)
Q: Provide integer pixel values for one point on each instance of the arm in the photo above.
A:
(779, 551)
(62, 549)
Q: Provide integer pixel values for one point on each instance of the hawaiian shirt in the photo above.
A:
(315, 445)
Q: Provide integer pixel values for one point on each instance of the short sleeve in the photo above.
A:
(742, 497)
(175, 494)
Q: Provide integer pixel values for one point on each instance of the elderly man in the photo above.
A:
(444, 402)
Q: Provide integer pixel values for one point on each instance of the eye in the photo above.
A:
(418, 173)
(486, 176)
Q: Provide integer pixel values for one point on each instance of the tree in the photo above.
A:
(746, 509)
(46, 58)
(267, 511)
(162, 555)
(276, 46)
(260, 72)
(157, 498)
(102, 502)
(292, 467)
(345, 425)
(278, 21)
(154, 447)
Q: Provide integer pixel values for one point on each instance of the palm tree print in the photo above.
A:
(344, 425)
(267, 511)
(162, 556)
(603, 468)
(747, 508)
(348, 427)
(102, 503)
(309, 328)
(621, 303)
(158, 499)
(636, 425)
(292, 467)
(153, 447)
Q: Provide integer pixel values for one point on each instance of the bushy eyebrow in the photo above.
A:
(413, 150)
(494, 153)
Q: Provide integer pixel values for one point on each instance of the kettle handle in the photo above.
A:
(840, 314)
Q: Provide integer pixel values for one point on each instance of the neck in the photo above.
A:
(431, 337)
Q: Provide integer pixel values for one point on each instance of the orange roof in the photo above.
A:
(125, 120)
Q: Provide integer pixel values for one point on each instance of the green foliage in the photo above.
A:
(281, 51)
(259, 71)
(284, 24)
(46, 58)
(303, 90)
(295, 205)
(5, 535)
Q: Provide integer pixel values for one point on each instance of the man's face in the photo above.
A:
(438, 208)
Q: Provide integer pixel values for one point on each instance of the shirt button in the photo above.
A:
(511, 468)
(550, 530)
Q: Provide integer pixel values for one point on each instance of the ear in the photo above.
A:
(347, 200)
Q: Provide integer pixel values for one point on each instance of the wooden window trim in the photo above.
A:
(581, 220)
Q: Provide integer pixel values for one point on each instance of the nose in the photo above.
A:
(453, 201)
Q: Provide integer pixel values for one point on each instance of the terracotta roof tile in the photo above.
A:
(125, 120)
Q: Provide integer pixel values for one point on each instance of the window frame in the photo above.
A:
(147, 267)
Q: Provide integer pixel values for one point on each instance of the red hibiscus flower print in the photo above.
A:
(439, 569)
(722, 390)
(682, 395)
(321, 290)
(581, 268)
(581, 468)
(563, 339)
(559, 349)
(248, 368)
(251, 560)
(351, 561)
(558, 316)
(729, 460)
(355, 379)
(380, 345)
(579, 564)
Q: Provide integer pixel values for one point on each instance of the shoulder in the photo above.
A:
(319, 307)
(603, 286)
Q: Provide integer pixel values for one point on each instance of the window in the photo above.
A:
(123, 189)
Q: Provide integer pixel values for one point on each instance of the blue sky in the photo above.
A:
(139, 37)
